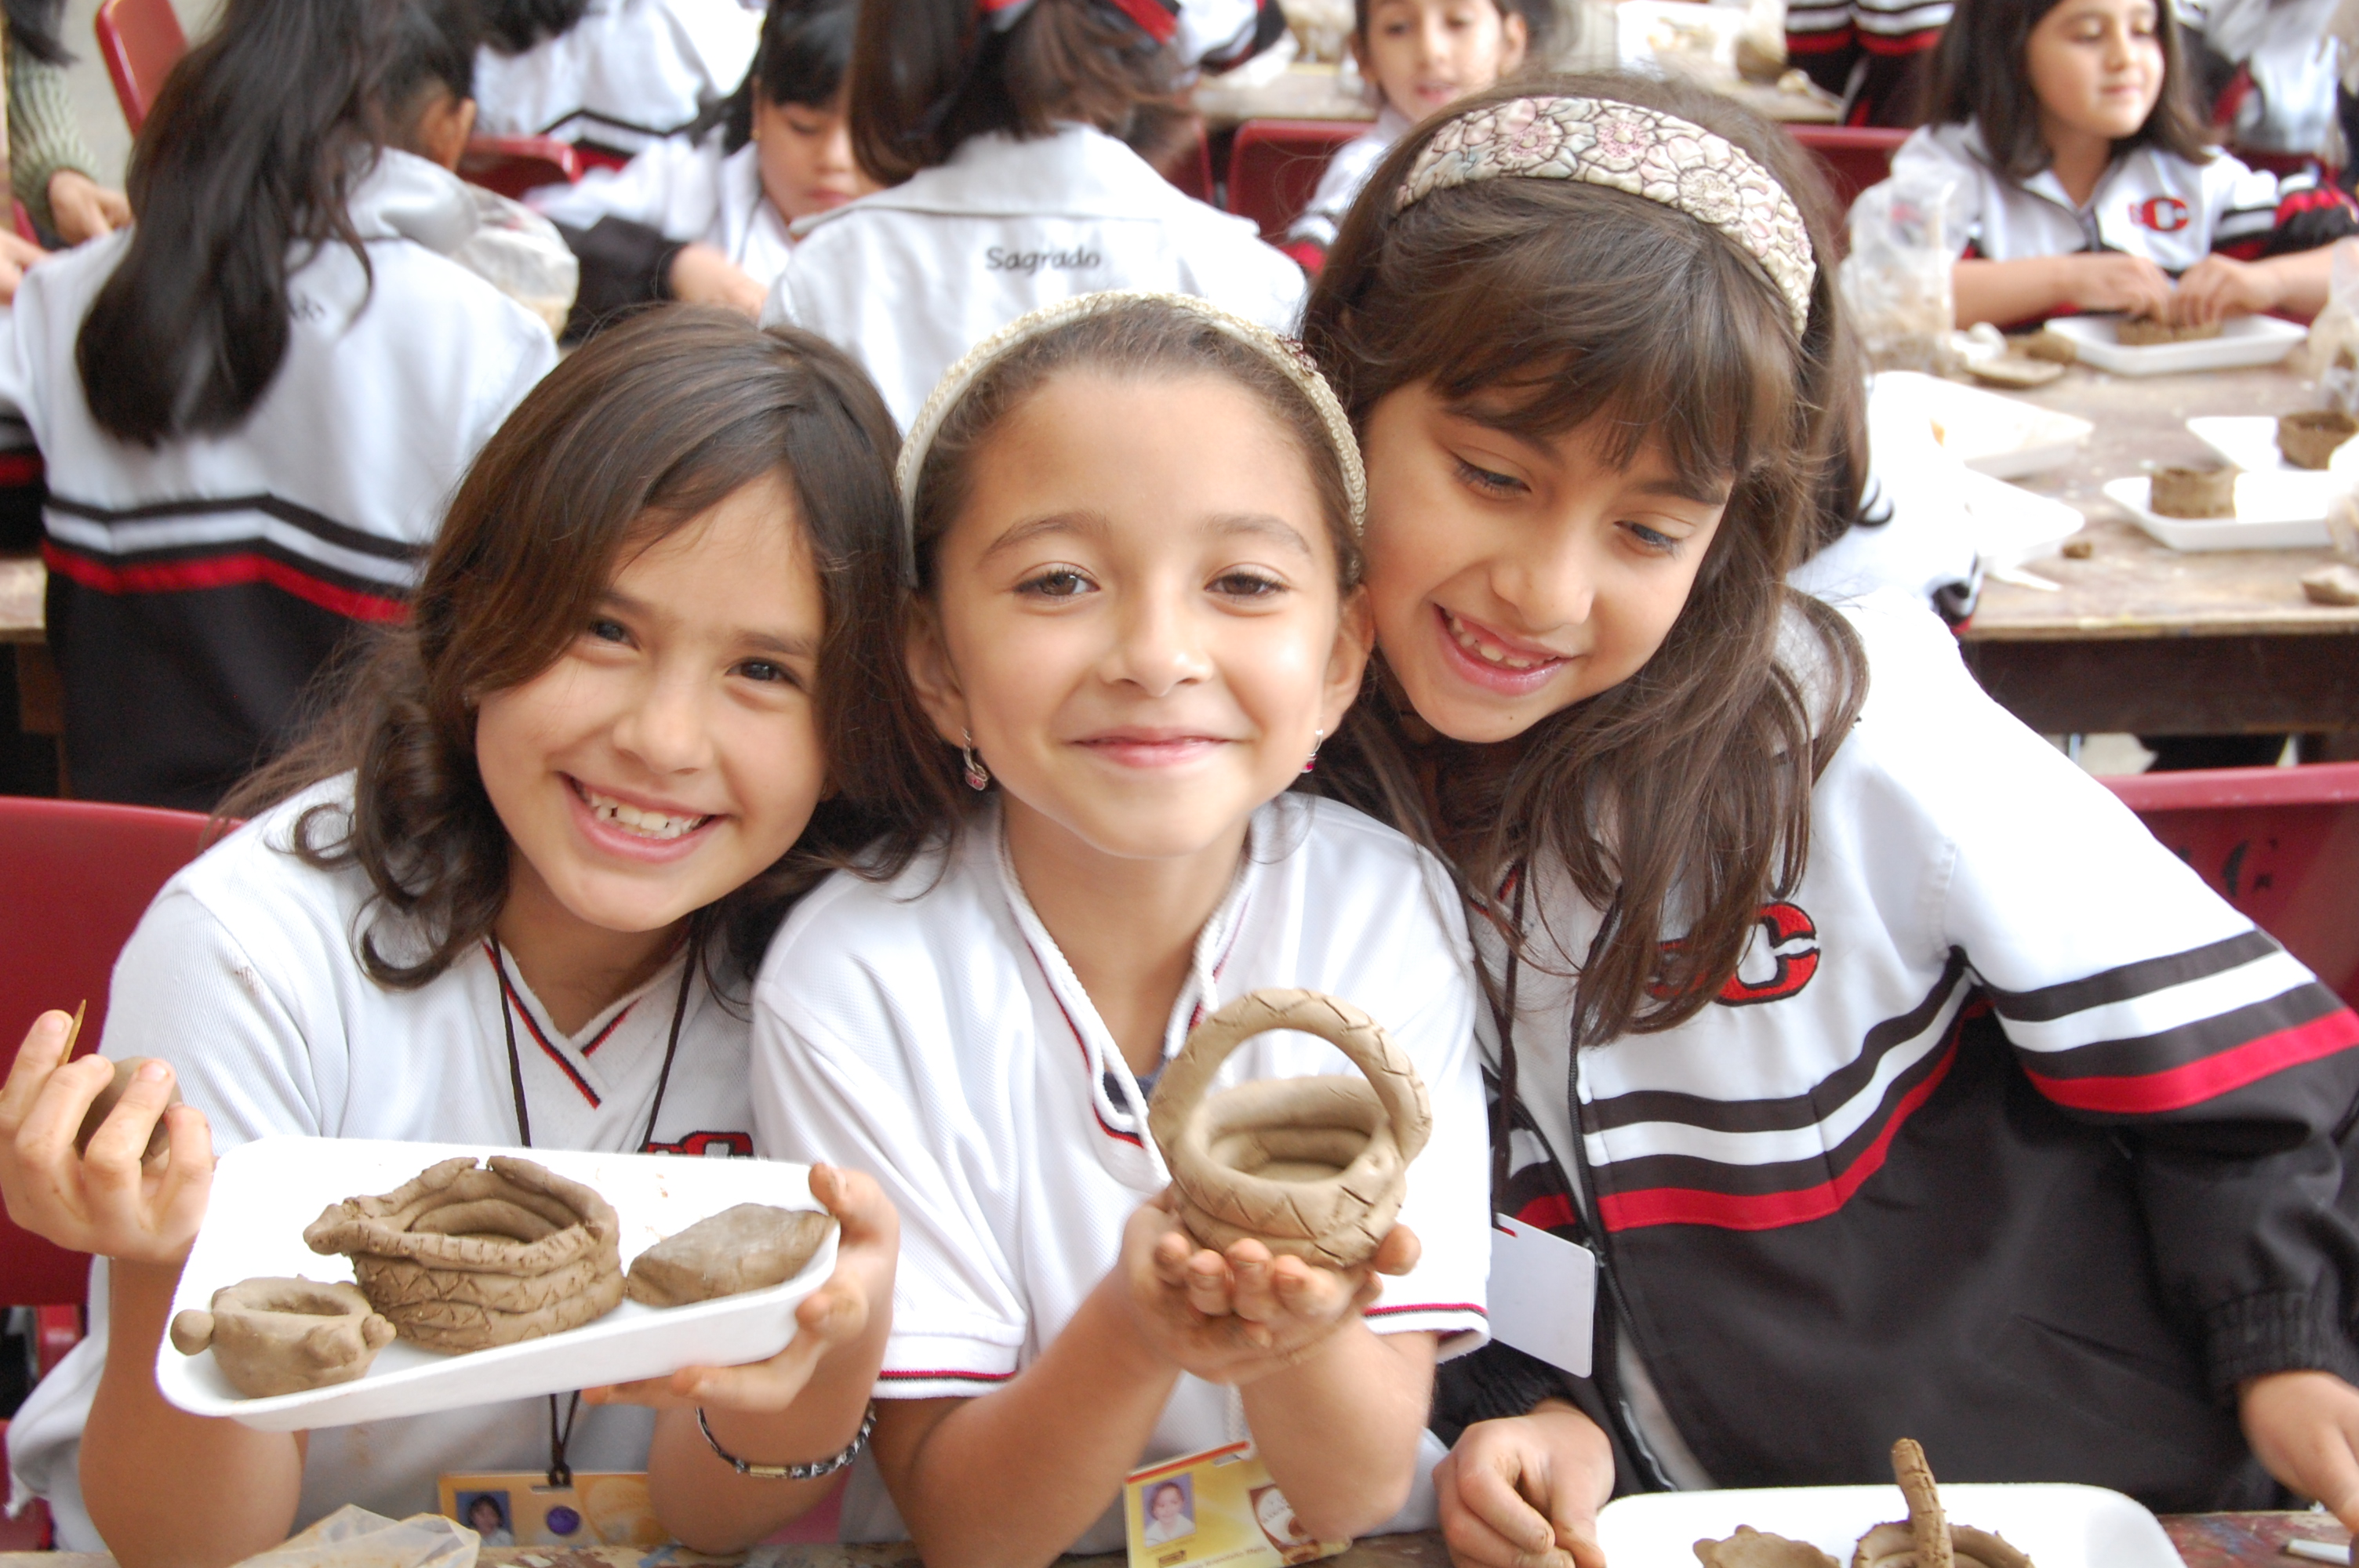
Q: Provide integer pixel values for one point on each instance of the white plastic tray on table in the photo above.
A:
(2279, 511)
(2243, 341)
(2059, 1526)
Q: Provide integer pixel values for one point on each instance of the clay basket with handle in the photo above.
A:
(1314, 1166)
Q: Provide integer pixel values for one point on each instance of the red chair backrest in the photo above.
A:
(2281, 844)
(513, 165)
(1275, 165)
(1191, 172)
(75, 876)
(1853, 156)
(141, 41)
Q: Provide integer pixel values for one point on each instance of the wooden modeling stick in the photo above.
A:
(1926, 1521)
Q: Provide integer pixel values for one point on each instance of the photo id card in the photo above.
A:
(519, 1508)
(1543, 1294)
(1217, 1507)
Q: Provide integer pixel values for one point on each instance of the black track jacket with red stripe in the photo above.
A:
(2009, 1136)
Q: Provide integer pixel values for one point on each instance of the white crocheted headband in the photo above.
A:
(1286, 355)
(1643, 151)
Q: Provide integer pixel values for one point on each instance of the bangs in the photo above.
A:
(1628, 317)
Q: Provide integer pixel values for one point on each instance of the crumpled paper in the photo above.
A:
(353, 1537)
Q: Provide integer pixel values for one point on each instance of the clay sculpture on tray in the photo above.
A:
(1751, 1548)
(1926, 1539)
(461, 1259)
(1316, 1166)
(281, 1337)
(2309, 438)
(748, 1248)
(2144, 331)
(2193, 491)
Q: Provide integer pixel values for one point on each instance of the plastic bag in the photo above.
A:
(2330, 356)
(353, 1537)
(520, 253)
(1896, 282)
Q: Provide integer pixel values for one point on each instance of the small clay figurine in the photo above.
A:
(1316, 1166)
(281, 1336)
(1926, 1539)
(1751, 1548)
(2144, 331)
(2209, 491)
(748, 1248)
(2309, 438)
(464, 1259)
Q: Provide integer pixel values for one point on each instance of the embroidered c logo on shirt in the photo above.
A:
(2163, 214)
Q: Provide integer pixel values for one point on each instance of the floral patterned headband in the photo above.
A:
(1643, 151)
(957, 381)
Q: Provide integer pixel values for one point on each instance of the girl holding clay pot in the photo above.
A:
(1134, 541)
(511, 895)
(1821, 982)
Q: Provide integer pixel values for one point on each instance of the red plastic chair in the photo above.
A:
(75, 876)
(513, 165)
(1191, 172)
(1853, 156)
(2281, 844)
(141, 41)
(1275, 165)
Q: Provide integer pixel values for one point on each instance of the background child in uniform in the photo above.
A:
(2084, 180)
(613, 77)
(556, 816)
(703, 217)
(1001, 130)
(1420, 56)
(253, 403)
(1822, 977)
(1134, 541)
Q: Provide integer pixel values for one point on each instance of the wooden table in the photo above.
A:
(2152, 640)
(2204, 1540)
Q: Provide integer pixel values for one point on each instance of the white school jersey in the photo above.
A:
(691, 192)
(1339, 184)
(242, 975)
(629, 73)
(908, 279)
(2149, 203)
(929, 1030)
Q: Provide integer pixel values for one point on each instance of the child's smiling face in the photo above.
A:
(1137, 617)
(673, 750)
(2096, 68)
(1425, 55)
(1511, 576)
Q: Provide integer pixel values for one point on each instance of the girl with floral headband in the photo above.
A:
(1898, 1081)
(1133, 539)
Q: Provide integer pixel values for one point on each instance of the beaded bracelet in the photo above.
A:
(810, 1472)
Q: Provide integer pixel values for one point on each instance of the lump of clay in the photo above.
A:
(1316, 1167)
(463, 1259)
(159, 1142)
(2193, 492)
(1926, 1539)
(1750, 1548)
(2307, 440)
(281, 1337)
(748, 1248)
(2140, 332)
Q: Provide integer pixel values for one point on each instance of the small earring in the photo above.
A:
(977, 776)
(1318, 739)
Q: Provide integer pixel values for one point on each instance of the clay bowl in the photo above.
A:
(1315, 1167)
(2309, 440)
(461, 1259)
(2207, 491)
(281, 1337)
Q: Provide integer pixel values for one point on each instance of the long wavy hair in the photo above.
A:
(649, 425)
(1677, 802)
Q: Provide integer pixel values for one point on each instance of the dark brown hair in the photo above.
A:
(1140, 340)
(1982, 76)
(1680, 798)
(650, 424)
(928, 74)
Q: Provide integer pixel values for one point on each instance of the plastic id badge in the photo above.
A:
(1217, 1507)
(519, 1508)
(1543, 1294)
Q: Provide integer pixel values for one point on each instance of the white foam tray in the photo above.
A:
(266, 1192)
(2059, 1526)
(2244, 341)
(1991, 434)
(2285, 511)
(2250, 441)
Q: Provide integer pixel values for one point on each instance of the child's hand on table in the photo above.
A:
(109, 1200)
(1233, 1317)
(2219, 285)
(2108, 280)
(1524, 1493)
(857, 1299)
(2304, 1427)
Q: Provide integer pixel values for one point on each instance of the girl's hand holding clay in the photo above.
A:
(1236, 1316)
(853, 1308)
(1524, 1493)
(113, 1198)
